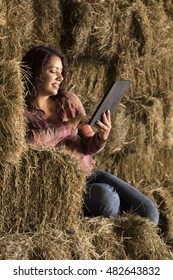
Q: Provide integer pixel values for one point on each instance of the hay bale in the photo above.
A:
(47, 24)
(123, 237)
(15, 247)
(93, 239)
(118, 140)
(140, 238)
(149, 114)
(168, 117)
(165, 161)
(135, 138)
(71, 43)
(42, 189)
(168, 6)
(161, 193)
(106, 30)
(29, 23)
(12, 128)
(3, 14)
(3, 25)
(93, 87)
(100, 233)
(3, 22)
(163, 196)
(120, 130)
(18, 27)
(52, 244)
(146, 47)
(80, 246)
(90, 29)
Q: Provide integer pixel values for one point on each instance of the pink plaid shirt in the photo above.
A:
(83, 142)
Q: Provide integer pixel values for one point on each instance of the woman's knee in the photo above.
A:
(151, 211)
(109, 201)
(102, 200)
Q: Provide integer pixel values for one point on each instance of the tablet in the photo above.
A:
(111, 100)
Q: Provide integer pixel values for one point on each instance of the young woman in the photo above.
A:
(56, 117)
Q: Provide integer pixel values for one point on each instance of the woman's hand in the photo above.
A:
(104, 127)
(79, 121)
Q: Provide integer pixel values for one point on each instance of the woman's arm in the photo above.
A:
(40, 133)
(90, 141)
(49, 136)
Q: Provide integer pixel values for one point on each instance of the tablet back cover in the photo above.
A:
(111, 100)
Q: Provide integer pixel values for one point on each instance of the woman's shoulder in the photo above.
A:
(34, 119)
(32, 114)
(73, 98)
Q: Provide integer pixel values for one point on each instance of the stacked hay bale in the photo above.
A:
(11, 90)
(47, 24)
(17, 17)
(127, 237)
(42, 189)
(12, 141)
(40, 196)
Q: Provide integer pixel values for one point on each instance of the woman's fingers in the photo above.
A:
(83, 120)
(109, 115)
(104, 127)
(79, 121)
(106, 121)
(107, 118)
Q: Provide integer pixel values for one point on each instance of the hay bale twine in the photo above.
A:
(45, 187)
(12, 127)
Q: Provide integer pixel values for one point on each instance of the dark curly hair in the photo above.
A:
(33, 66)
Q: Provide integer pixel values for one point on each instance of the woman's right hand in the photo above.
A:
(79, 121)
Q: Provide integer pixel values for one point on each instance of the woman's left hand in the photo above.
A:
(104, 127)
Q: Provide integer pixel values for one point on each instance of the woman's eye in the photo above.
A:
(52, 71)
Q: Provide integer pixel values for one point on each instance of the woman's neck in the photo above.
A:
(42, 102)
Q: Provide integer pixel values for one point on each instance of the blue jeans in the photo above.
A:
(106, 195)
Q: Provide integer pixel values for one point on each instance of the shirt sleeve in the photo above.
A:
(89, 140)
(41, 134)
(48, 137)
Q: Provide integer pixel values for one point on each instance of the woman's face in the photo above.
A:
(52, 77)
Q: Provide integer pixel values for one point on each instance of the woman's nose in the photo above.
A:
(59, 77)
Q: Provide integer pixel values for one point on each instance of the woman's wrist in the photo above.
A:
(102, 139)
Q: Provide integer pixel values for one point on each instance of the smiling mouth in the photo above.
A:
(56, 86)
